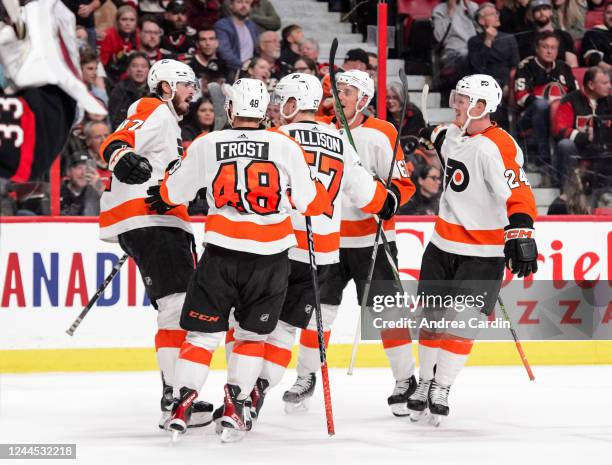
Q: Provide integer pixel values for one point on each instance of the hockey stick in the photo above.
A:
(379, 231)
(519, 347)
(424, 94)
(70, 331)
(315, 286)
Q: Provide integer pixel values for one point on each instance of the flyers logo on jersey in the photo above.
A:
(456, 174)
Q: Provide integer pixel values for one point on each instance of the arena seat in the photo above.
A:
(418, 9)
(579, 74)
(593, 18)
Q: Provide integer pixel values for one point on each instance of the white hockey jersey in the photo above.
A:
(484, 184)
(247, 173)
(374, 140)
(336, 164)
(152, 130)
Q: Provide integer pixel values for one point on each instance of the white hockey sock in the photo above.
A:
(401, 360)
(192, 366)
(453, 354)
(229, 344)
(245, 365)
(277, 354)
(170, 336)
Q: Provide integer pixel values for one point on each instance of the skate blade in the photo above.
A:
(435, 420)
(218, 427)
(232, 435)
(399, 410)
(164, 420)
(297, 408)
(176, 427)
(200, 419)
(174, 437)
(416, 416)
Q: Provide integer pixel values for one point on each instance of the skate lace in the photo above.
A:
(422, 389)
(302, 384)
(439, 394)
(401, 386)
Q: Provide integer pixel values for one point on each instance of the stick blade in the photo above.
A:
(424, 95)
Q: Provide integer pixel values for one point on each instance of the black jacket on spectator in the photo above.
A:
(180, 42)
(597, 46)
(496, 60)
(421, 205)
(527, 43)
(572, 106)
(214, 71)
(73, 5)
(532, 80)
(87, 203)
(411, 124)
(513, 21)
(123, 95)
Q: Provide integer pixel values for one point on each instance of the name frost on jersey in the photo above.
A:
(249, 149)
(310, 138)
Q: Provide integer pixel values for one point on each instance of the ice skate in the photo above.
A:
(438, 402)
(417, 402)
(166, 404)
(181, 412)
(258, 394)
(397, 401)
(236, 419)
(201, 414)
(297, 398)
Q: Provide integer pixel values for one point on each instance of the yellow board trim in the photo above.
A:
(369, 355)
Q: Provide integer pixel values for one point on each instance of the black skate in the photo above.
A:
(297, 398)
(181, 412)
(258, 394)
(236, 419)
(397, 401)
(438, 402)
(417, 402)
(166, 403)
(201, 414)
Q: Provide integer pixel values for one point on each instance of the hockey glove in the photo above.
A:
(132, 169)
(155, 201)
(520, 251)
(392, 203)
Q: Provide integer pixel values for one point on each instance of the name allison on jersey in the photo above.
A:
(336, 164)
(484, 184)
(374, 140)
(247, 174)
(152, 131)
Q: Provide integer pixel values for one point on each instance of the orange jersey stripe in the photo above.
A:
(380, 195)
(320, 203)
(395, 337)
(136, 207)
(406, 189)
(277, 355)
(456, 345)
(195, 354)
(457, 233)
(310, 338)
(249, 230)
(322, 242)
(249, 348)
(169, 338)
(521, 198)
(429, 339)
(359, 228)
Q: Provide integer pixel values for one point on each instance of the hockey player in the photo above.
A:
(486, 219)
(137, 153)
(246, 172)
(374, 140)
(336, 164)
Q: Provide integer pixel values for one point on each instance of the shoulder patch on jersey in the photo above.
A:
(524, 61)
(146, 105)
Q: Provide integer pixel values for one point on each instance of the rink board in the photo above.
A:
(50, 267)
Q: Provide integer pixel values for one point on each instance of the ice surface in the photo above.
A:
(497, 417)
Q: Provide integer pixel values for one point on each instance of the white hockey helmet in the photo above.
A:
(479, 87)
(360, 80)
(249, 99)
(172, 72)
(306, 89)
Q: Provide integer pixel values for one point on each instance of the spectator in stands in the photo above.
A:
(408, 124)
(426, 199)
(595, 4)
(129, 90)
(538, 77)
(257, 68)
(568, 15)
(513, 16)
(265, 16)
(203, 14)
(119, 42)
(541, 10)
(95, 132)
(84, 13)
(453, 23)
(273, 118)
(310, 49)
(78, 197)
(269, 48)
(575, 199)
(305, 65)
(573, 125)
(492, 52)
(199, 121)
(89, 71)
(206, 65)
(293, 36)
(150, 40)
(597, 42)
(178, 38)
(237, 35)
(149, 8)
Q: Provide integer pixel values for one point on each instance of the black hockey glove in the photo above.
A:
(520, 251)
(392, 203)
(133, 169)
(155, 201)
